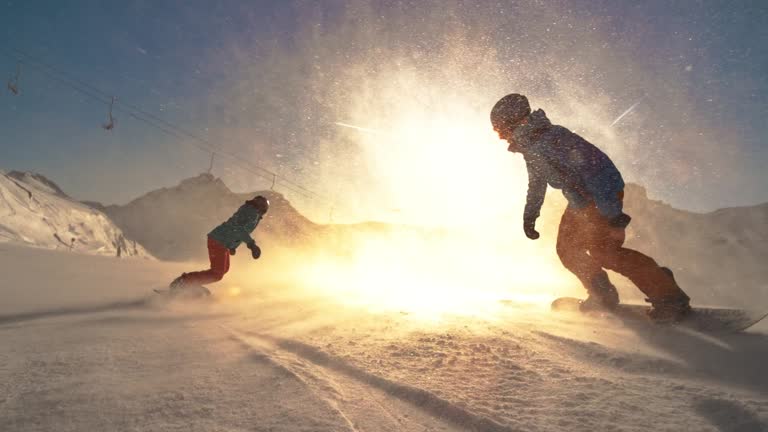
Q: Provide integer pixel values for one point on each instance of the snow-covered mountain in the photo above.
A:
(172, 222)
(34, 211)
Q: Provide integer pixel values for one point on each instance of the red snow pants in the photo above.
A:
(219, 257)
(586, 244)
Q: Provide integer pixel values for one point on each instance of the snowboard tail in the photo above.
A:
(703, 319)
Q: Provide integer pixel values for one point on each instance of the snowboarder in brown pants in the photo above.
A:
(592, 229)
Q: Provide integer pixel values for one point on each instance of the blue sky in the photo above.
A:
(699, 69)
(149, 54)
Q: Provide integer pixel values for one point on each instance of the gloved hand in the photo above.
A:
(529, 226)
(620, 221)
(255, 250)
(232, 251)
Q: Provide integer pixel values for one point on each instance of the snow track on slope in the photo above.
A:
(369, 402)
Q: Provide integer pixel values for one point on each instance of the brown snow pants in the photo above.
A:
(587, 244)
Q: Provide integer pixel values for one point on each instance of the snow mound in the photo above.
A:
(34, 211)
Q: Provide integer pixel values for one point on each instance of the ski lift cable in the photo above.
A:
(100, 99)
(74, 86)
(287, 184)
(36, 43)
(253, 168)
(165, 126)
(212, 147)
(172, 132)
(147, 114)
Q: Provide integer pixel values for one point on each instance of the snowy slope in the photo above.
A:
(84, 349)
(36, 212)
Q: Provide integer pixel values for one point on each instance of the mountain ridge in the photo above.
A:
(36, 212)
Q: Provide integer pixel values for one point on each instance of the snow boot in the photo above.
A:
(672, 308)
(602, 295)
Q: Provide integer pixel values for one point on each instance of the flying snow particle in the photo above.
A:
(629, 110)
(359, 128)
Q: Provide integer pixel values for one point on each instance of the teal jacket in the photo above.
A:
(238, 228)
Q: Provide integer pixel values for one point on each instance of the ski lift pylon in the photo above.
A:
(210, 167)
(13, 82)
(111, 120)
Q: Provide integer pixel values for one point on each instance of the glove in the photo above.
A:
(255, 250)
(620, 221)
(232, 251)
(529, 226)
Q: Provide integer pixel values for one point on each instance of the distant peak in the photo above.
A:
(203, 177)
(205, 180)
(37, 181)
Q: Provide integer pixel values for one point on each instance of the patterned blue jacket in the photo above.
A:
(556, 156)
(237, 229)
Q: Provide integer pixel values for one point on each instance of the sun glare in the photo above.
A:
(443, 168)
(437, 159)
(455, 274)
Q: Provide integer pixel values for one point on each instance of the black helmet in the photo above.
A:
(509, 111)
(261, 203)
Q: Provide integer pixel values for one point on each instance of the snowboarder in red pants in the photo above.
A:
(224, 240)
(592, 230)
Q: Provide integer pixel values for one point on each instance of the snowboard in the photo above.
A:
(191, 292)
(702, 319)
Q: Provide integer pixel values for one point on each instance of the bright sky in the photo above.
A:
(269, 80)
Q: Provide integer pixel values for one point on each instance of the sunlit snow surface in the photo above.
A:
(86, 347)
